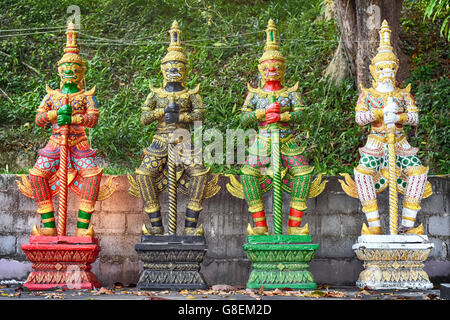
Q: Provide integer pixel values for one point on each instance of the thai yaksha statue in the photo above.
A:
(170, 161)
(68, 110)
(387, 159)
(274, 159)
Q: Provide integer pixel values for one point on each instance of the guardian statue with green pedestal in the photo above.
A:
(275, 162)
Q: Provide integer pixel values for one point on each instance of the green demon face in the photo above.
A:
(71, 73)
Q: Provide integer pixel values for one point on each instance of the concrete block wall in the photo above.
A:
(334, 220)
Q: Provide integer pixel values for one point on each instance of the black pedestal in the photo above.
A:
(171, 262)
(445, 291)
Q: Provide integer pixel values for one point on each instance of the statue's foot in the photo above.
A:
(89, 232)
(43, 231)
(417, 230)
(256, 230)
(298, 230)
(370, 230)
(194, 231)
(156, 231)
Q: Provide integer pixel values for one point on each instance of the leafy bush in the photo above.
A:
(124, 43)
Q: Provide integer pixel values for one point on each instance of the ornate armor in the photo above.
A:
(274, 107)
(174, 107)
(75, 108)
(382, 106)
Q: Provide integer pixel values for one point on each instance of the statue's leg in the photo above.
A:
(150, 168)
(252, 193)
(301, 185)
(197, 183)
(91, 177)
(415, 187)
(365, 171)
(39, 175)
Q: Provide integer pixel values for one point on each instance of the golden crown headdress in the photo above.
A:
(175, 50)
(385, 51)
(271, 49)
(71, 51)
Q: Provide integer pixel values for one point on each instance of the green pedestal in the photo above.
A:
(280, 261)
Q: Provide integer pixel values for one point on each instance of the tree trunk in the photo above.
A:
(359, 22)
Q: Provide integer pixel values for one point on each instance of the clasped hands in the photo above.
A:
(390, 112)
(273, 113)
(64, 114)
(171, 113)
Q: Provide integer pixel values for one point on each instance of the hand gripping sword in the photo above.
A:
(63, 158)
(393, 192)
(277, 192)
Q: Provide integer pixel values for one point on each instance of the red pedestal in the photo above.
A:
(61, 261)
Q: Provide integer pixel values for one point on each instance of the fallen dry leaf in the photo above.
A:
(362, 293)
(103, 290)
(277, 291)
(335, 294)
(53, 296)
(223, 287)
(404, 298)
(156, 298)
(314, 294)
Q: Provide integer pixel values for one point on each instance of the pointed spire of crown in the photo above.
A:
(271, 49)
(385, 51)
(71, 39)
(71, 51)
(175, 50)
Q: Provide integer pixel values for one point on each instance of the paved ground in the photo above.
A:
(220, 302)
(218, 292)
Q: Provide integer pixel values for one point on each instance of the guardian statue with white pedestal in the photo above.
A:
(387, 160)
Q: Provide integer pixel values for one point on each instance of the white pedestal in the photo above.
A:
(393, 261)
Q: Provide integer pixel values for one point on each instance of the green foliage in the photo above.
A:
(124, 42)
(439, 9)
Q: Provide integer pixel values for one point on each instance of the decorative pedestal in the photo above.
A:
(171, 262)
(61, 261)
(280, 261)
(393, 261)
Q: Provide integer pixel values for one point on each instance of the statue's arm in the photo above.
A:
(249, 113)
(44, 113)
(297, 109)
(90, 118)
(197, 110)
(411, 116)
(364, 115)
(149, 111)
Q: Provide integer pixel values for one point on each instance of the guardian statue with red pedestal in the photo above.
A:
(66, 162)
